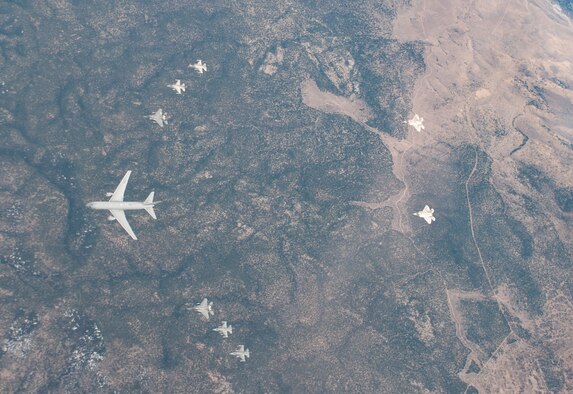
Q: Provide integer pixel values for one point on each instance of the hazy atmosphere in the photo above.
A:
(376, 196)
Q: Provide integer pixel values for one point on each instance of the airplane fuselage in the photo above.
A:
(120, 205)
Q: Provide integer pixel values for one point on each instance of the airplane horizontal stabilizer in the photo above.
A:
(149, 199)
(150, 210)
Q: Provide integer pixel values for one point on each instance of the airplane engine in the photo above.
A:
(110, 218)
(109, 194)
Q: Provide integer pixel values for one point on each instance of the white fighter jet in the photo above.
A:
(200, 67)
(177, 86)
(159, 117)
(224, 330)
(241, 353)
(416, 122)
(427, 214)
(205, 308)
(117, 206)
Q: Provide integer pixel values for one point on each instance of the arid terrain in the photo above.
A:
(288, 176)
(499, 77)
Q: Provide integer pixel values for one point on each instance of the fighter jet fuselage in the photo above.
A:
(224, 330)
(200, 67)
(427, 214)
(241, 353)
(159, 117)
(417, 123)
(205, 308)
(177, 86)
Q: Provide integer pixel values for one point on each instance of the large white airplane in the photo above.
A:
(224, 330)
(416, 122)
(200, 67)
(177, 86)
(427, 214)
(117, 206)
(241, 353)
(159, 117)
(205, 308)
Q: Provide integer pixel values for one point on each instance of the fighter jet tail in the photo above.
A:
(149, 202)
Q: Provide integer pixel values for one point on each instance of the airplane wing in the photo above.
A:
(426, 209)
(119, 215)
(158, 117)
(241, 349)
(120, 189)
(204, 312)
(428, 219)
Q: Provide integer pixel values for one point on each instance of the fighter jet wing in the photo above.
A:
(429, 219)
(120, 190)
(119, 215)
(159, 120)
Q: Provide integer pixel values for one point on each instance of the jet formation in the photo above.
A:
(205, 308)
(117, 207)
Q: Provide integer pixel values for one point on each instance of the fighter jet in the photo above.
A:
(205, 308)
(200, 67)
(159, 117)
(117, 206)
(416, 122)
(241, 353)
(224, 330)
(177, 86)
(427, 214)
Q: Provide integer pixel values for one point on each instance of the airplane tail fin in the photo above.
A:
(230, 329)
(149, 209)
